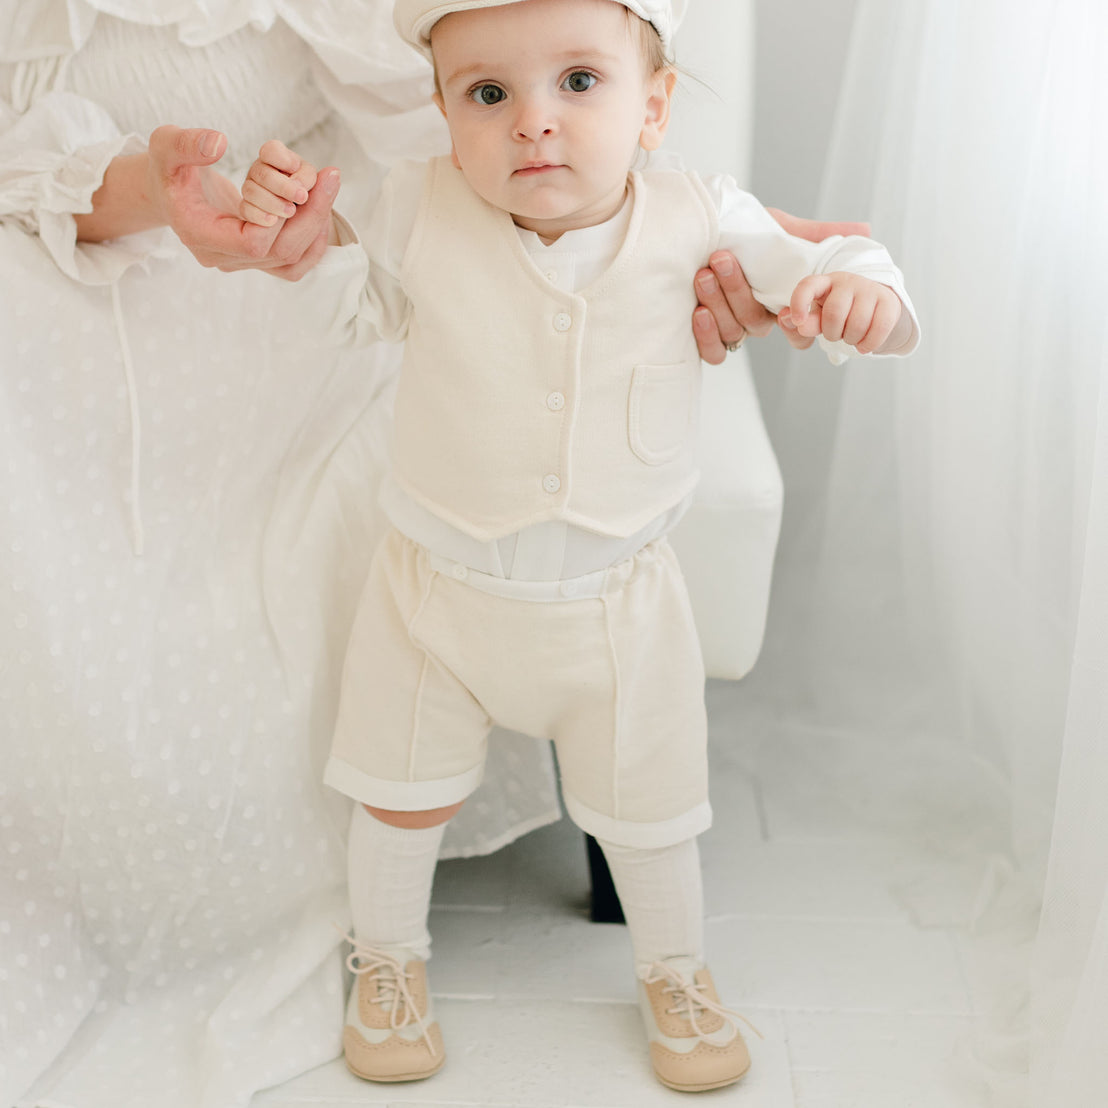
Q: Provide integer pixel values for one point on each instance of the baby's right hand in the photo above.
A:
(277, 182)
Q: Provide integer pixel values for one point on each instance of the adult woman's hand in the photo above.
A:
(174, 184)
(728, 312)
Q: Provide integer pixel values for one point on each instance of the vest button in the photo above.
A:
(555, 401)
(551, 482)
(563, 321)
(459, 572)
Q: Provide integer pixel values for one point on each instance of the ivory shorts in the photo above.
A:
(607, 667)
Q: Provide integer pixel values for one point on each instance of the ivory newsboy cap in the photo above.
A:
(415, 18)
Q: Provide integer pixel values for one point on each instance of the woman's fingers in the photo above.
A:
(728, 311)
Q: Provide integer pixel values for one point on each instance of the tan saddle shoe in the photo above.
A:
(695, 1042)
(390, 1032)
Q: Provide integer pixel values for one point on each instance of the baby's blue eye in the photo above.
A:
(579, 81)
(487, 94)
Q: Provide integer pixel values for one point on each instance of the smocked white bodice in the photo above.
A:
(251, 84)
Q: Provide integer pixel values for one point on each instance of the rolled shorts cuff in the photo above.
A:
(644, 836)
(400, 796)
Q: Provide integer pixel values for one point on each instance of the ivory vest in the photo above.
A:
(519, 403)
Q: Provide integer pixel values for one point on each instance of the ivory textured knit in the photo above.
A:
(478, 441)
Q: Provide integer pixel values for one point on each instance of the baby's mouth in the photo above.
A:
(534, 169)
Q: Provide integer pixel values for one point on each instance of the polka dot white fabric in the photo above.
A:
(171, 867)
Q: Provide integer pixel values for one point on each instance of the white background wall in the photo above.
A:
(756, 98)
(713, 122)
(800, 48)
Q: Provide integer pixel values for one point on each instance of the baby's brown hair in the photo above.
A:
(650, 42)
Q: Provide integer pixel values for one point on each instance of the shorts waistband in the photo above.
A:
(590, 586)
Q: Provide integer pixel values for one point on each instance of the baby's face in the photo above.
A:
(547, 103)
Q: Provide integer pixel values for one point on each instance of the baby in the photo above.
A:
(545, 444)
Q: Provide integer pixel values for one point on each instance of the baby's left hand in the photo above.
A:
(845, 306)
(277, 182)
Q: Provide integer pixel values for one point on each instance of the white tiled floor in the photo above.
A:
(816, 871)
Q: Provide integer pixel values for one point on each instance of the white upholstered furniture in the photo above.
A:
(726, 541)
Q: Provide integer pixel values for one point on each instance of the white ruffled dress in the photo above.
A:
(188, 505)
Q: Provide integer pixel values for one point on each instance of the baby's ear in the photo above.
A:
(659, 94)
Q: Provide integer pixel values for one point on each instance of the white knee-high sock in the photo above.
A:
(390, 873)
(663, 900)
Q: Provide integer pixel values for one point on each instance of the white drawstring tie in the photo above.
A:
(137, 536)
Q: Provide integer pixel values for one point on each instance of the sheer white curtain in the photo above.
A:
(943, 576)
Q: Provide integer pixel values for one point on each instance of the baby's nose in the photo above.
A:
(535, 119)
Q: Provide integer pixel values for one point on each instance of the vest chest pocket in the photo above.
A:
(660, 410)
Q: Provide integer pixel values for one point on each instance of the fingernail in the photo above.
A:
(331, 184)
(707, 284)
(209, 144)
(723, 266)
(301, 196)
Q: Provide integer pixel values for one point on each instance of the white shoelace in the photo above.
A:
(690, 1000)
(393, 992)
